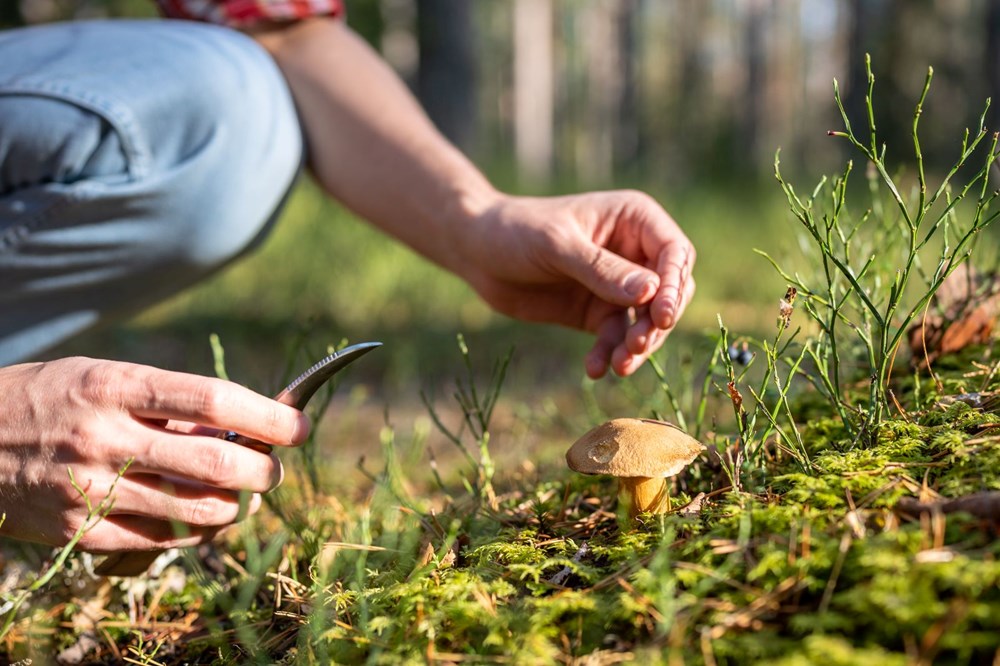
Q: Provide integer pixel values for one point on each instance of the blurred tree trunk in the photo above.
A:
(610, 137)
(10, 14)
(603, 76)
(992, 61)
(748, 146)
(533, 89)
(688, 110)
(366, 19)
(857, 45)
(627, 130)
(692, 22)
(446, 78)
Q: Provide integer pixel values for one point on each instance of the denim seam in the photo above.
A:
(115, 113)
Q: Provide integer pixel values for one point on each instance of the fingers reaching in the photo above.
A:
(77, 423)
(609, 335)
(127, 532)
(671, 254)
(208, 460)
(625, 339)
(631, 339)
(182, 502)
(639, 333)
(674, 266)
(150, 393)
(609, 276)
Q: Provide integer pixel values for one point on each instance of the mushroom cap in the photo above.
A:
(634, 447)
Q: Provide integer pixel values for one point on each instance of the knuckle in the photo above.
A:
(82, 439)
(206, 512)
(148, 389)
(211, 401)
(275, 424)
(218, 463)
(71, 523)
(637, 202)
(96, 383)
(110, 384)
(640, 198)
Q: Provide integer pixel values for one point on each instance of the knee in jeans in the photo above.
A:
(208, 240)
(237, 150)
(226, 196)
(196, 148)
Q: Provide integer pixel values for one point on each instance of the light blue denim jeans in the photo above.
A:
(136, 157)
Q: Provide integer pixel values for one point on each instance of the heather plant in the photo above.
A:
(95, 513)
(878, 271)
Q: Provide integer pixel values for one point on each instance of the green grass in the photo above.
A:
(390, 560)
(451, 531)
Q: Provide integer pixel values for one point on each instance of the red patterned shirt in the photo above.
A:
(243, 13)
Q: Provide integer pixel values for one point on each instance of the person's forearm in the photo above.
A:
(613, 263)
(370, 144)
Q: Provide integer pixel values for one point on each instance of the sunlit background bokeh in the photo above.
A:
(686, 100)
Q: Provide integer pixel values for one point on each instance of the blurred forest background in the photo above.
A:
(591, 93)
(686, 99)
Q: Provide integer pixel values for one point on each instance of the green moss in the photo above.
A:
(823, 433)
(822, 650)
(814, 567)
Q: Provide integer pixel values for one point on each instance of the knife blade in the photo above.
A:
(298, 393)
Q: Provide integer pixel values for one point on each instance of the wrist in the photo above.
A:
(472, 212)
(470, 204)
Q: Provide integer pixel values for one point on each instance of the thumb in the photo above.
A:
(609, 276)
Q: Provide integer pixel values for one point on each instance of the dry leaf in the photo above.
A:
(963, 312)
(786, 307)
(84, 622)
(694, 507)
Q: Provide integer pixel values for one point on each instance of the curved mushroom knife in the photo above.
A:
(303, 387)
(296, 395)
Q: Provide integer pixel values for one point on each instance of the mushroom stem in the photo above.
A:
(645, 494)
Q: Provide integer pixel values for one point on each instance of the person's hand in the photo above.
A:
(93, 416)
(612, 263)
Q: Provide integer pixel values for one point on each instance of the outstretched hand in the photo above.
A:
(612, 263)
(95, 416)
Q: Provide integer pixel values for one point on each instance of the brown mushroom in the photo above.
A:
(642, 453)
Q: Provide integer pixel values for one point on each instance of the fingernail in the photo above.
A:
(278, 475)
(302, 428)
(668, 314)
(638, 285)
(256, 501)
(596, 367)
